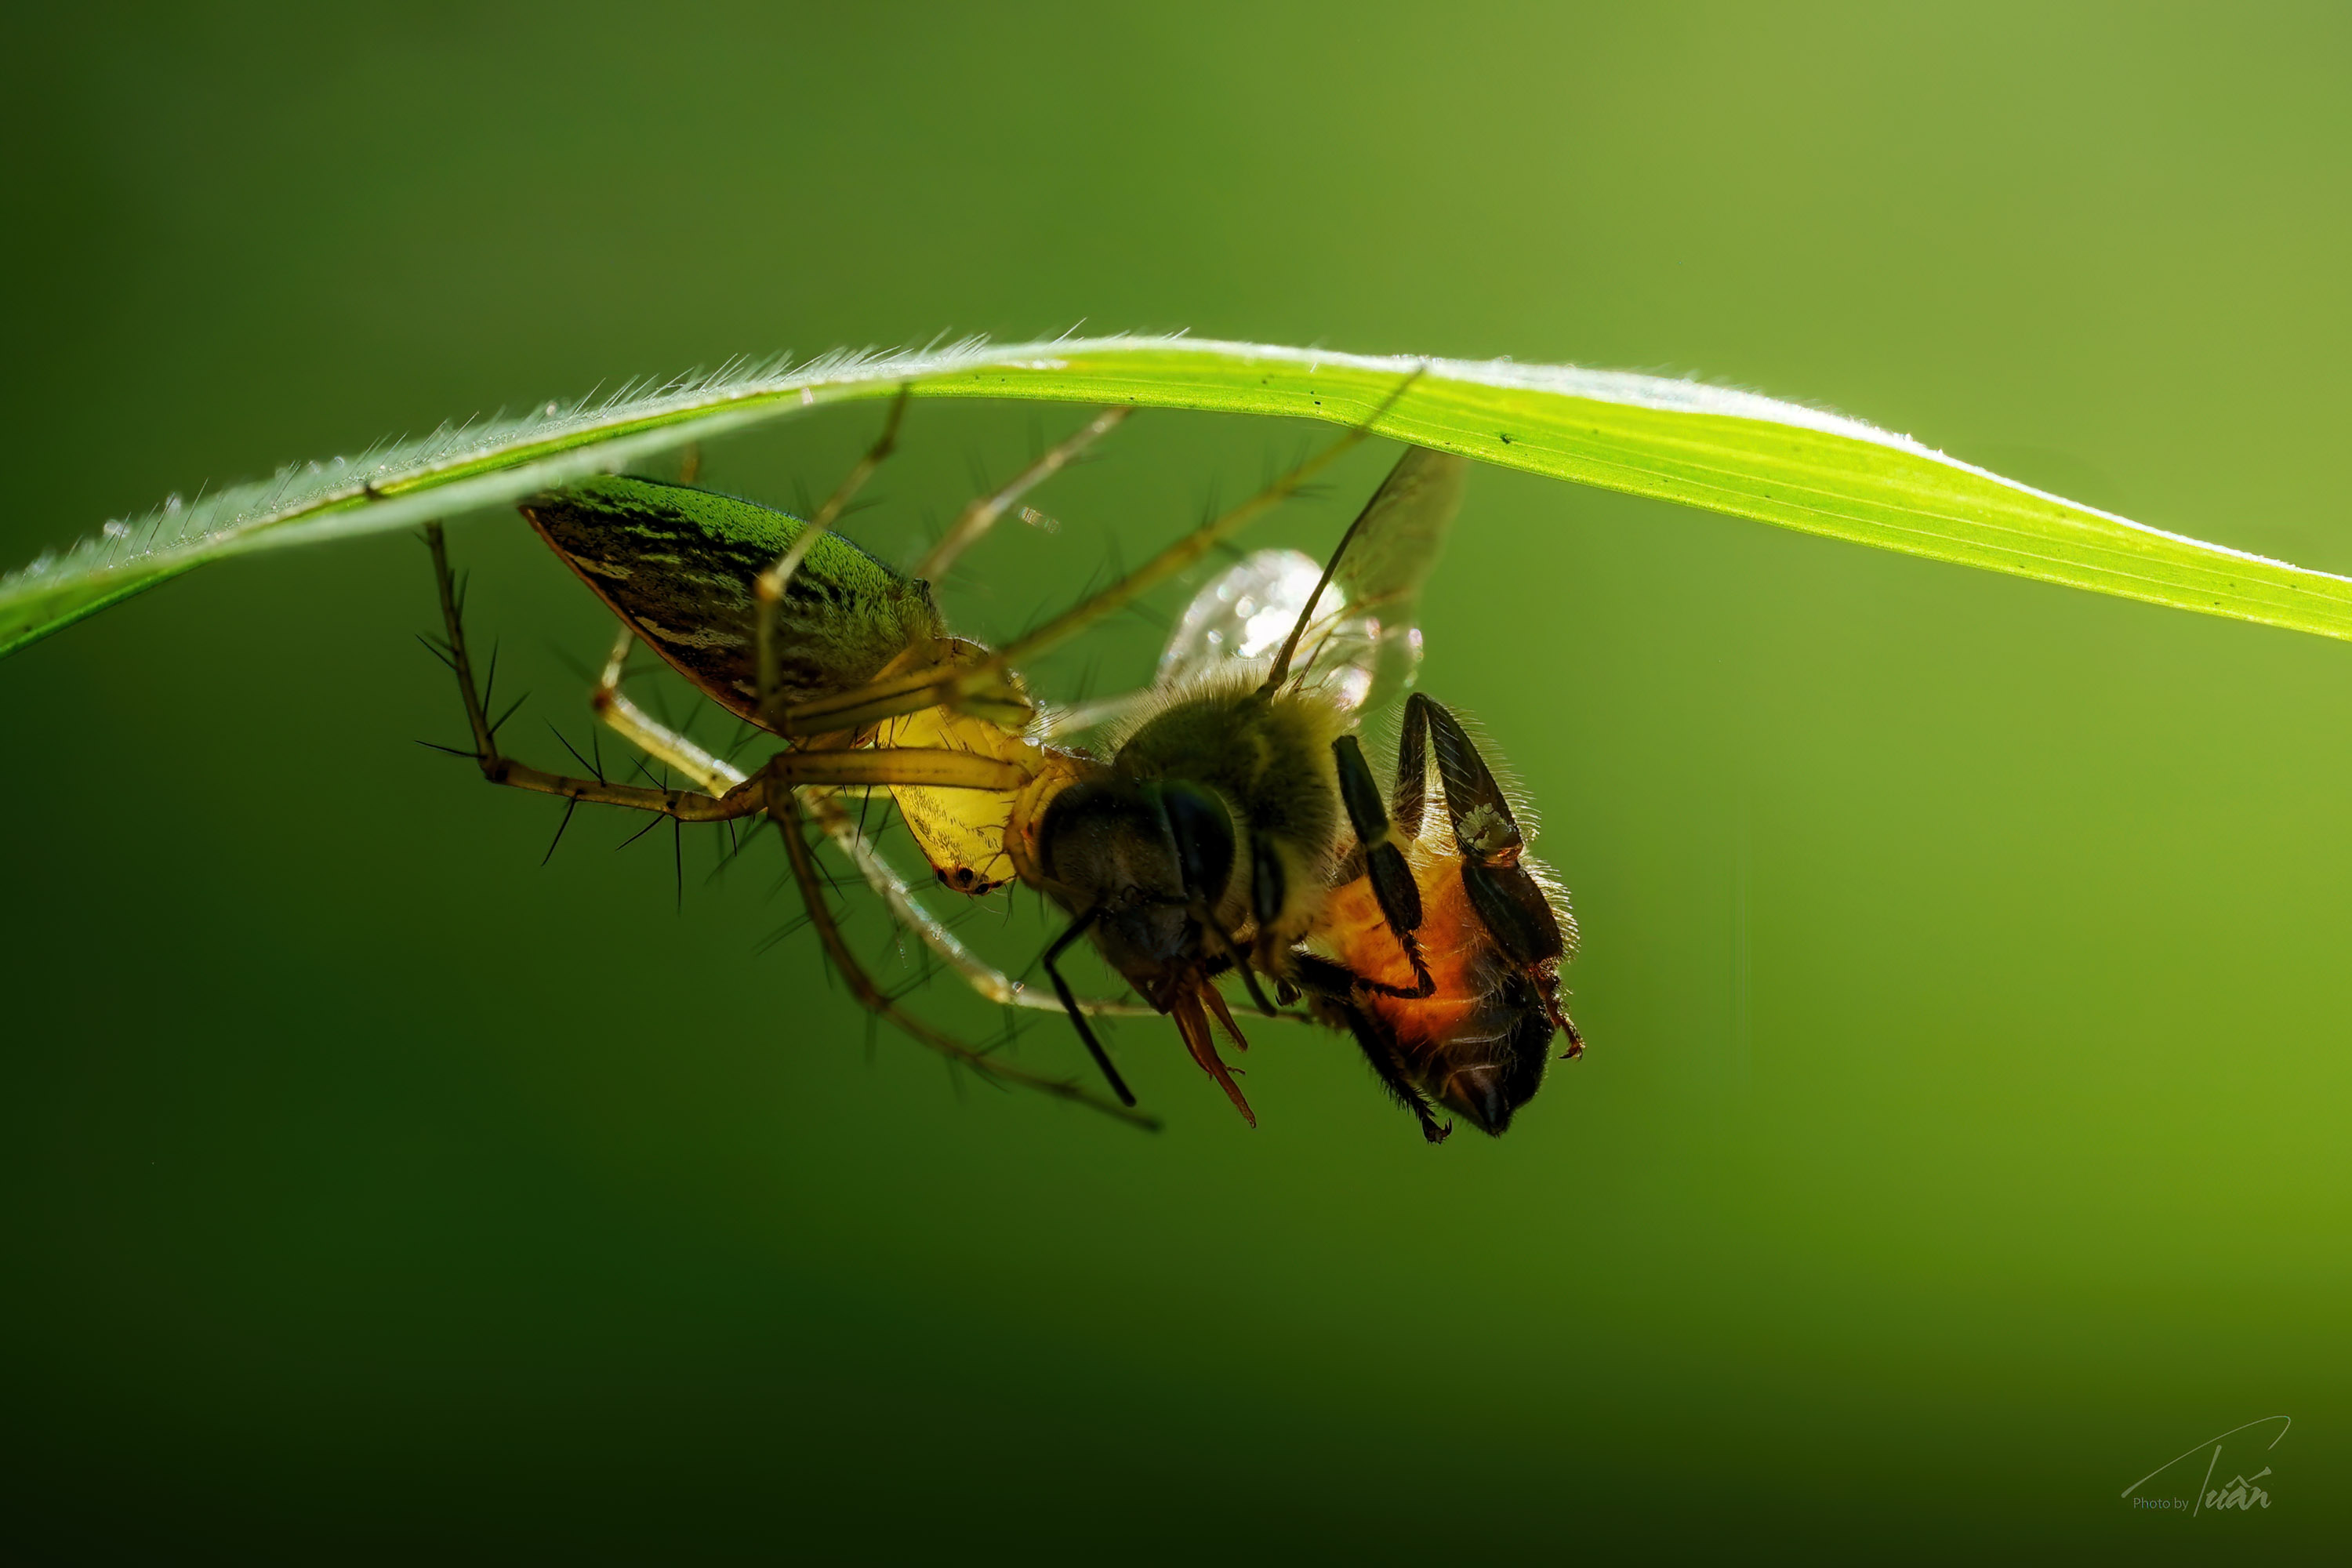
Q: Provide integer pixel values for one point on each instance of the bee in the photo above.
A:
(1234, 827)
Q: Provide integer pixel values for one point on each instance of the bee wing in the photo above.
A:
(1363, 647)
(1390, 554)
(1240, 616)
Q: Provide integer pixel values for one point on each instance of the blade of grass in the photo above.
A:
(1683, 441)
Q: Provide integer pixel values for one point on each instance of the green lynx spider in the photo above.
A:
(824, 712)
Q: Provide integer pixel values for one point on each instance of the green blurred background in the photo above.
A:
(1962, 1132)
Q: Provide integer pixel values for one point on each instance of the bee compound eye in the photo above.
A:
(1269, 885)
(1111, 841)
(1203, 834)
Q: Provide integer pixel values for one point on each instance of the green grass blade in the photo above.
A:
(1702, 446)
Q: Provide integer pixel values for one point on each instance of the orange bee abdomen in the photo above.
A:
(1462, 959)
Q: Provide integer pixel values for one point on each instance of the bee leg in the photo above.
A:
(1337, 984)
(768, 591)
(875, 1000)
(1408, 800)
(980, 515)
(897, 895)
(1509, 904)
(1378, 1051)
(1385, 862)
(1383, 1057)
(1077, 1015)
(1234, 953)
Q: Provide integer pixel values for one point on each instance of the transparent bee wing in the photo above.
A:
(1240, 616)
(1394, 547)
(1363, 647)
(1243, 614)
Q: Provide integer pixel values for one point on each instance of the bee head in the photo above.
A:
(1142, 854)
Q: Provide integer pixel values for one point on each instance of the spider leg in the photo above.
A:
(613, 707)
(768, 591)
(870, 996)
(983, 685)
(744, 799)
(980, 515)
(898, 897)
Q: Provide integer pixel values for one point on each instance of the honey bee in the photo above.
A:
(1235, 828)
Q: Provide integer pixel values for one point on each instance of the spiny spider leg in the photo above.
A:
(768, 592)
(776, 790)
(981, 516)
(983, 682)
(870, 996)
(614, 708)
(634, 724)
(898, 896)
(690, 805)
(940, 767)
